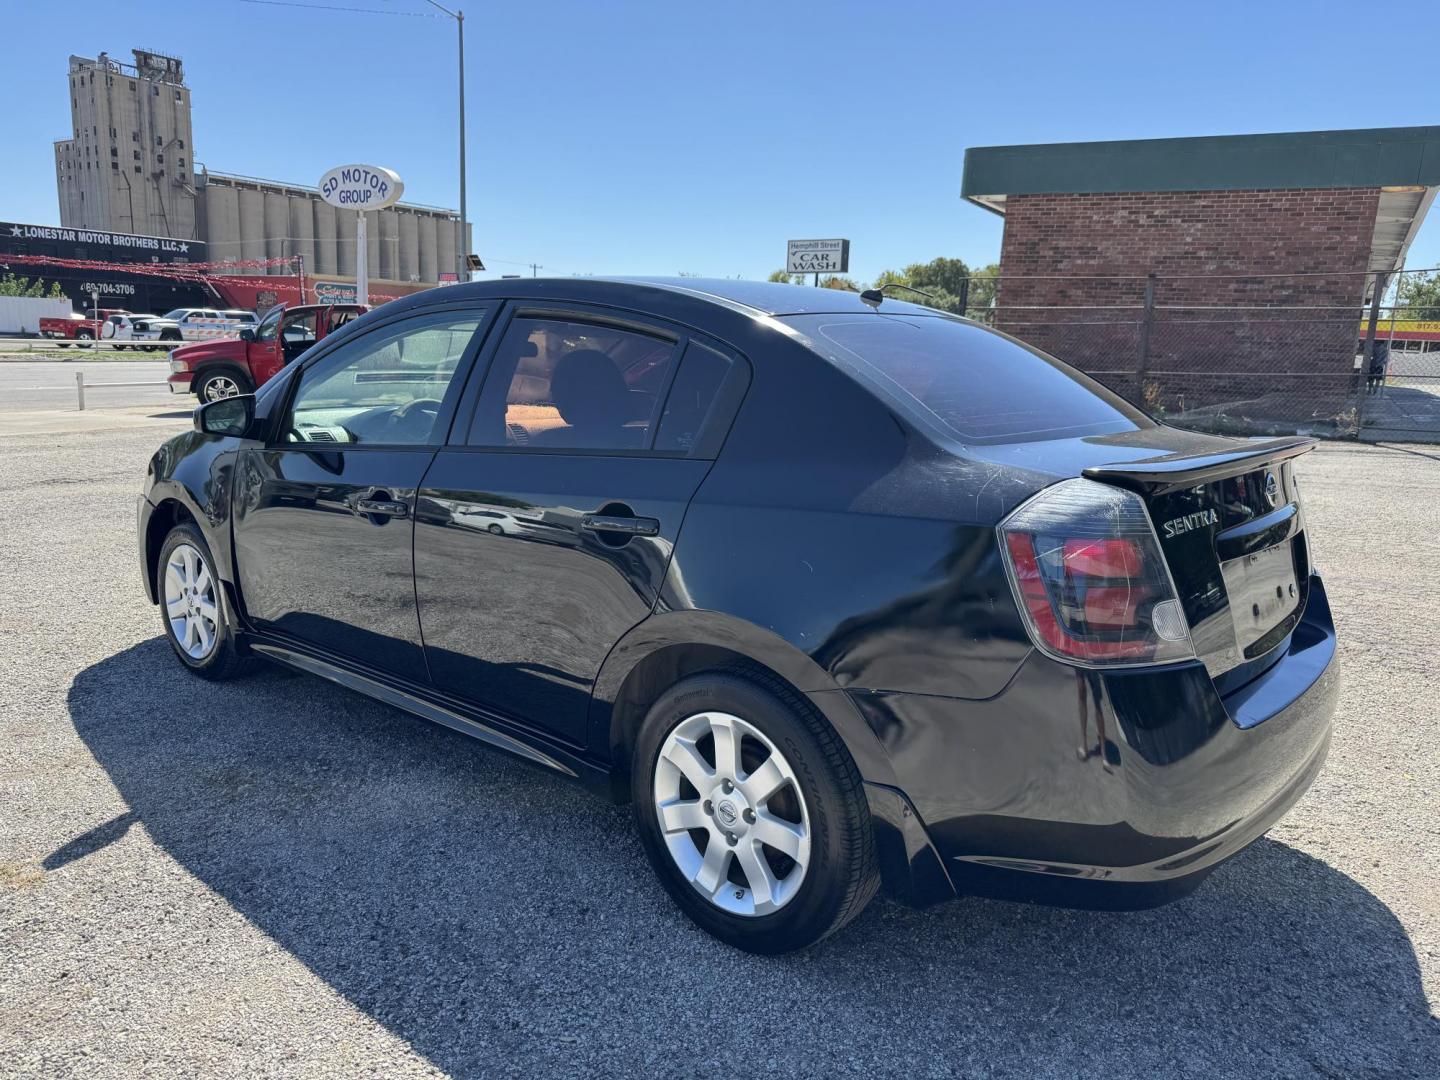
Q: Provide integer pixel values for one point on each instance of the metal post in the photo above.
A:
(300, 273)
(362, 262)
(964, 296)
(462, 247)
(80, 390)
(1369, 351)
(1145, 321)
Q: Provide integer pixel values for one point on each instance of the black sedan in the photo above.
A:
(838, 590)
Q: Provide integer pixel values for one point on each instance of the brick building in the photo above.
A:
(1195, 273)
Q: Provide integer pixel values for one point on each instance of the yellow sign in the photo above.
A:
(1384, 328)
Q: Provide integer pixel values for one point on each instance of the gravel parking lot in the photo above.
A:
(277, 877)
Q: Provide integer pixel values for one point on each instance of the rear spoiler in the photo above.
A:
(1156, 476)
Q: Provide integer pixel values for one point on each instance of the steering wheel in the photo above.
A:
(428, 408)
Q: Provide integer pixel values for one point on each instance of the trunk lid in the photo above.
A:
(1228, 517)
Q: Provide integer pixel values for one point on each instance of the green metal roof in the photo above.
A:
(1370, 157)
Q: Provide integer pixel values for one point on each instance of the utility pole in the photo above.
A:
(535, 269)
(462, 255)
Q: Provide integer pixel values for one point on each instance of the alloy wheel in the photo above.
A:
(190, 606)
(732, 814)
(221, 386)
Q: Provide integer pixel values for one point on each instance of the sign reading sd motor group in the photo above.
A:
(361, 187)
(817, 257)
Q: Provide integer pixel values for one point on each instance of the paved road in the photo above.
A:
(45, 384)
(277, 877)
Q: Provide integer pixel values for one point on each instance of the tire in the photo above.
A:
(221, 383)
(494, 530)
(221, 659)
(822, 801)
(84, 339)
(63, 344)
(170, 335)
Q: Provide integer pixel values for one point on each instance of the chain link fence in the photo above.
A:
(1338, 355)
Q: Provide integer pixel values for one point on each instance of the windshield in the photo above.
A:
(966, 382)
(178, 314)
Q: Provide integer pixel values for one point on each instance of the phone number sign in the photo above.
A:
(817, 256)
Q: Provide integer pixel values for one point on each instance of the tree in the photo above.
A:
(944, 282)
(10, 285)
(1418, 296)
(784, 278)
(835, 281)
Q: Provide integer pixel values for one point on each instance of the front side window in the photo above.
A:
(965, 381)
(385, 388)
(563, 384)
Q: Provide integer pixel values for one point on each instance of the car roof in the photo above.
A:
(759, 298)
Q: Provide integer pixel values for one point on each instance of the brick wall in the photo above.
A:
(1073, 270)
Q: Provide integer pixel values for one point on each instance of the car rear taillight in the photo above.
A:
(1090, 580)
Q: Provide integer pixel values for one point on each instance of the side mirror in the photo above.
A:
(247, 334)
(231, 416)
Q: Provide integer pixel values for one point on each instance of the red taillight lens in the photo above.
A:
(1091, 581)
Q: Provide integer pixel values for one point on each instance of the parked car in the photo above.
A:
(835, 589)
(198, 324)
(124, 330)
(237, 365)
(77, 328)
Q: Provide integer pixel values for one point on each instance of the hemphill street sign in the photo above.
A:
(817, 257)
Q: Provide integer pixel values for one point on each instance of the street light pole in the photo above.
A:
(461, 255)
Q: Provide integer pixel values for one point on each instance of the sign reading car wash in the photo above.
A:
(363, 188)
(817, 257)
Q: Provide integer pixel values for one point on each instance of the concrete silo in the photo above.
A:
(388, 230)
(429, 246)
(446, 230)
(345, 243)
(277, 228)
(409, 247)
(222, 222)
(252, 224)
(325, 256)
(302, 229)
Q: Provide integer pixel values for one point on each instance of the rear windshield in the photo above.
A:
(969, 382)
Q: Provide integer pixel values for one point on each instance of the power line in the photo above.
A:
(340, 7)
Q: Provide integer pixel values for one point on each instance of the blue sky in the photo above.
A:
(658, 136)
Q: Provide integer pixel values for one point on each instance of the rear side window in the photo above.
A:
(563, 384)
(692, 397)
(968, 382)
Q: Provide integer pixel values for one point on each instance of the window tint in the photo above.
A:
(970, 382)
(268, 325)
(691, 398)
(560, 383)
(383, 388)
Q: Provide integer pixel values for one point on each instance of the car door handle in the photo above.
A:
(384, 507)
(630, 526)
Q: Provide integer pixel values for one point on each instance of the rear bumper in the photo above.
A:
(1110, 789)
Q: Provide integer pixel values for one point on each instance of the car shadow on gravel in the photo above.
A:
(498, 919)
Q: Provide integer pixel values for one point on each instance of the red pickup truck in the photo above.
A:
(228, 366)
(77, 328)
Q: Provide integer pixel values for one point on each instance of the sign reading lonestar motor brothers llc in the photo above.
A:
(817, 257)
(361, 187)
(17, 238)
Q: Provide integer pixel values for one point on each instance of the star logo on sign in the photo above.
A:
(184, 247)
(14, 230)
